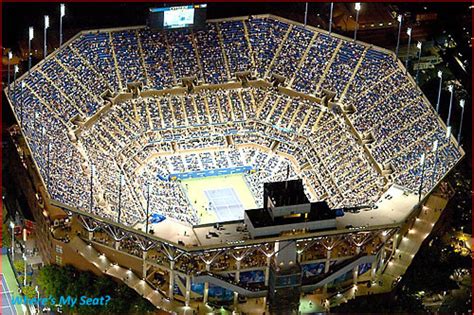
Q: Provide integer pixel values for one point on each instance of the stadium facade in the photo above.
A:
(109, 124)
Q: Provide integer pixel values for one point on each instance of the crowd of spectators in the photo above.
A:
(138, 143)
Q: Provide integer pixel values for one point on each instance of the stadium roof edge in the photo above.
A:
(248, 242)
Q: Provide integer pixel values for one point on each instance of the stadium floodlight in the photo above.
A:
(422, 163)
(121, 182)
(399, 19)
(461, 103)
(62, 10)
(435, 150)
(15, 71)
(451, 90)
(46, 26)
(419, 47)
(330, 17)
(91, 205)
(10, 56)
(147, 206)
(306, 14)
(440, 76)
(31, 35)
(408, 49)
(357, 8)
(12, 227)
(49, 164)
(448, 132)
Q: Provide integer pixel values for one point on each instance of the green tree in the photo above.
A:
(19, 266)
(29, 291)
(6, 236)
(67, 280)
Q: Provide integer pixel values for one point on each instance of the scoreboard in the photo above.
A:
(189, 16)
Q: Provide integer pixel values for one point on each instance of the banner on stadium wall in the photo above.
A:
(209, 173)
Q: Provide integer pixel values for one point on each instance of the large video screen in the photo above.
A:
(182, 17)
(190, 16)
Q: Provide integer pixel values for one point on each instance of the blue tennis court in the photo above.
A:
(7, 307)
(225, 204)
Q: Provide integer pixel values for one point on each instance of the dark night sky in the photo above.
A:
(18, 16)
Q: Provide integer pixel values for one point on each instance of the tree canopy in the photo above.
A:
(59, 281)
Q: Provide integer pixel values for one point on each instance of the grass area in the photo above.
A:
(196, 187)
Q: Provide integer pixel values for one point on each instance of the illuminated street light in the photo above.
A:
(46, 26)
(357, 8)
(24, 275)
(399, 19)
(461, 103)
(38, 295)
(62, 10)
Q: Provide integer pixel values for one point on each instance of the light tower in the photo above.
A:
(461, 103)
(422, 163)
(435, 150)
(62, 13)
(46, 26)
(15, 71)
(408, 49)
(357, 8)
(440, 76)
(10, 56)
(451, 90)
(31, 35)
(306, 14)
(330, 17)
(419, 47)
(399, 19)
